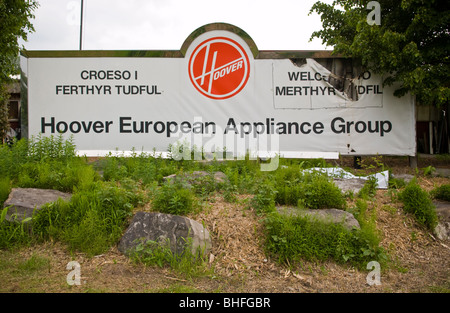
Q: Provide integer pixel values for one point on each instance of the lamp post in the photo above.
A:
(81, 25)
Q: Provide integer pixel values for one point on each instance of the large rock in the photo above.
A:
(327, 215)
(441, 172)
(165, 229)
(406, 177)
(196, 177)
(442, 230)
(24, 202)
(349, 184)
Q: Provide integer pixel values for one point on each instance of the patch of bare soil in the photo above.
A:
(238, 263)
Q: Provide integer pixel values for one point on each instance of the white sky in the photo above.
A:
(165, 24)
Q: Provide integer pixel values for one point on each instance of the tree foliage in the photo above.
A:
(4, 124)
(410, 46)
(15, 24)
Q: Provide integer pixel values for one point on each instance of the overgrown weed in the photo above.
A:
(293, 238)
(106, 192)
(189, 264)
(418, 202)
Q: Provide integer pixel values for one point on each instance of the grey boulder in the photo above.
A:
(196, 177)
(442, 230)
(350, 184)
(24, 202)
(165, 229)
(326, 215)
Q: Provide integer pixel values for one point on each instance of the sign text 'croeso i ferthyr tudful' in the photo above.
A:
(218, 92)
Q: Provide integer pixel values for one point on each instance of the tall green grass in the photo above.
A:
(91, 222)
(441, 193)
(45, 162)
(94, 218)
(291, 239)
(418, 202)
(56, 174)
(290, 186)
(12, 234)
(104, 194)
(5, 189)
(174, 198)
(186, 263)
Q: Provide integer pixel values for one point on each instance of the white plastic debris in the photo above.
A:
(382, 178)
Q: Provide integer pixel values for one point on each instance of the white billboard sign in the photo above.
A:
(217, 95)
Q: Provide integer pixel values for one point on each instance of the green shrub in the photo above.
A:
(5, 189)
(92, 234)
(310, 190)
(244, 174)
(318, 192)
(369, 189)
(441, 192)
(288, 174)
(230, 193)
(418, 202)
(367, 222)
(264, 199)
(91, 222)
(293, 238)
(204, 185)
(140, 167)
(159, 254)
(11, 158)
(173, 198)
(53, 147)
(289, 193)
(55, 174)
(113, 169)
(42, 162)
(12, 234)
(360, 212)
(396, 183)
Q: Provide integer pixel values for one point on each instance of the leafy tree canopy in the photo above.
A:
(410, 46)
(15, 16)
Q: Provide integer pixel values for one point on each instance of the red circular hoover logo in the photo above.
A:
(219, 68)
